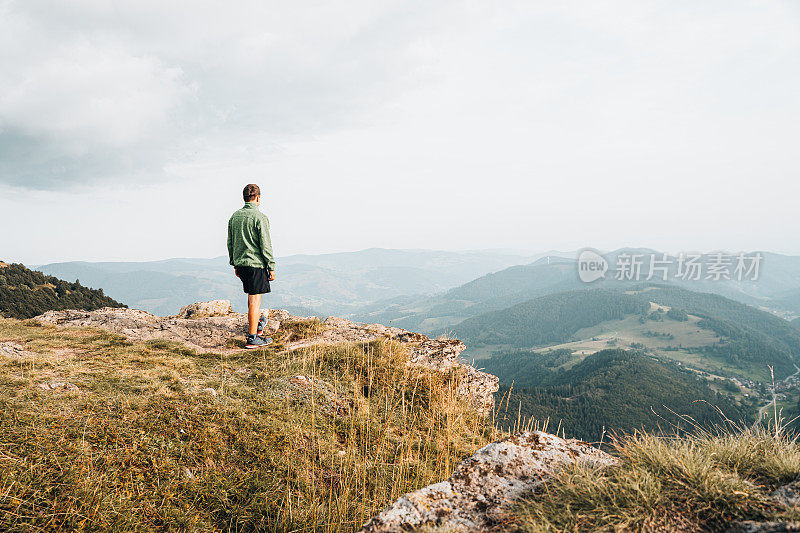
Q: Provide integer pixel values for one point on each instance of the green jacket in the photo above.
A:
(248, 238)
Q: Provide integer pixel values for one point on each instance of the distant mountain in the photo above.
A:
(609, 391)
(26, 293)
(437, 314)
(306, 284)
(777, 289)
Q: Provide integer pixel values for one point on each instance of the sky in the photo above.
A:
(127, 130)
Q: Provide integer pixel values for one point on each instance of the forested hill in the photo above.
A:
(755, 321)
(549, 319)
(612, 390)
(26, 293)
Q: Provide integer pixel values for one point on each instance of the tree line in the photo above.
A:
(26, 293)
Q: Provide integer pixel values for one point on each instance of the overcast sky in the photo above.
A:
(127, 130)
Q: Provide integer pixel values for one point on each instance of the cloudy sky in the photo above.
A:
(128, 130)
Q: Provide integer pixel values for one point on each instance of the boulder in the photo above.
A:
(204, 309)
(200, 332)
(481, 490)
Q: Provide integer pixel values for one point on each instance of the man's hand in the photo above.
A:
(272, 275)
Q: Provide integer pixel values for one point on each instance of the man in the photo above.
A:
(250, 253)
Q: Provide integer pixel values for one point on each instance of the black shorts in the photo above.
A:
(254, 280)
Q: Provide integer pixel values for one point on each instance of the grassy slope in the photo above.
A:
(696, 483)
(142, 447)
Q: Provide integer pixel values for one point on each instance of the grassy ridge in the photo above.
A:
(161, 437)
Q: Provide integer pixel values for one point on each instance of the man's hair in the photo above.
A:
(250, 192)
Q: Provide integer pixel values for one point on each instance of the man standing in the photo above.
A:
(250, 253)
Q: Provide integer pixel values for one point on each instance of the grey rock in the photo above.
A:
(59, 386)
(788, 495)
(480, 492)
(13, 350)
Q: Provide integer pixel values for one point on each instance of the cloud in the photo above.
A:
(99, 92)
(81, 109)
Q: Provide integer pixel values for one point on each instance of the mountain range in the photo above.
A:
(776, 290)
(326, 284)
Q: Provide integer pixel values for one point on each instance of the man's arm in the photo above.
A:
(230, 243)
(266, 246)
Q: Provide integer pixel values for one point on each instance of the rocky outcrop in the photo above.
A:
(213, 326)
(479, 493)
(202, 326)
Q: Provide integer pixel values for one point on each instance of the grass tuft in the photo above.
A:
(296, 329)
(683, 483)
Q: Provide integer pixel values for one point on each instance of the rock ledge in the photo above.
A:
(211, 326)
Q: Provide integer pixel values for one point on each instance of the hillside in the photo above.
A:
(174, 427)
(26, 293)
(494, 291)
(549, 319)
(609, 391)
(704, 331)
(712, 305)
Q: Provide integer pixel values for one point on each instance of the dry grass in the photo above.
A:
(296, 329)
(689, 483)
(161, 437)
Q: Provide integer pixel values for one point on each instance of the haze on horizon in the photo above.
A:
(128, 131)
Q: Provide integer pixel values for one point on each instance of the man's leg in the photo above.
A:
(253, 312)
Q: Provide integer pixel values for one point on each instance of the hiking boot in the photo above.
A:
(254, 341)
(261, 323)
